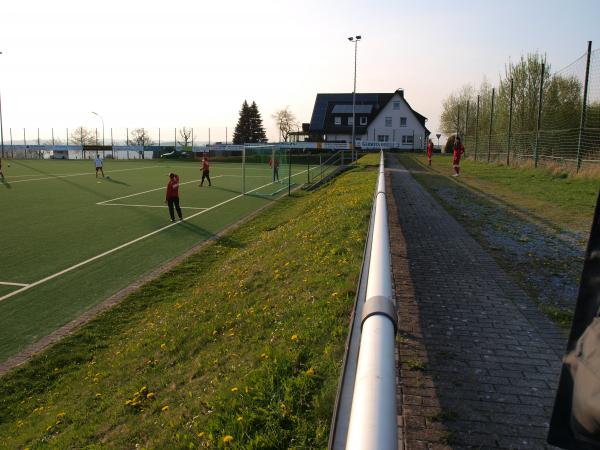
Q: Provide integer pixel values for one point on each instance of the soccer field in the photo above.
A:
(69, 240)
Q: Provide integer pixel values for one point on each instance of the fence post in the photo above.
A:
(159, 136)
(127, 140)
(466, 125)
(477, 128)
(510, 114)
(539, 119)
(491, 126)
(290, 171)
(584, 106)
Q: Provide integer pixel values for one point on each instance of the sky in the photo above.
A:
(192, 63)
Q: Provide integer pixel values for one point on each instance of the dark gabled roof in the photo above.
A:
(368, 105)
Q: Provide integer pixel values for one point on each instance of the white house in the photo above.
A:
(381, 120)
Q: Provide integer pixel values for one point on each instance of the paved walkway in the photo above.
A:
(478, 364)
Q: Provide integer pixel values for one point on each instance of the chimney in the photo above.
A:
(400, 92)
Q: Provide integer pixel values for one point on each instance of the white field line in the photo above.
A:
(8, 283)
(126, 244)
(149, 206)
(53, 177)
(145, 192)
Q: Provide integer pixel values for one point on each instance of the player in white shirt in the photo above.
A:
(99, 166)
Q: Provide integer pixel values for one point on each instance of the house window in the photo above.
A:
(408, 139)
(350, 120)
(363, 120)
(402, 121)
(383, 138)
(337, 120)
(396, 105)
(388, 121)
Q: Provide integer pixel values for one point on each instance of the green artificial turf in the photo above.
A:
(238, 347)
(51, 221)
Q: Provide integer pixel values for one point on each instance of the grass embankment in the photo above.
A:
(533, 221)
(240, 346)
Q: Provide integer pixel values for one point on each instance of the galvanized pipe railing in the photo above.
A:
(373, 423)
(372, 417)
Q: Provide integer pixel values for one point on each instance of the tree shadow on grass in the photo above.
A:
(5, 183)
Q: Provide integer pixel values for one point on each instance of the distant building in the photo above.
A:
(382, 120)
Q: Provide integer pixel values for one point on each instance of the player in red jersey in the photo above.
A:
(173, 196)
(205, 171)
(429, 150)
(459, 150)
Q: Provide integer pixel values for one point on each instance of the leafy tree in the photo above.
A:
(286, 122)
(140, 136)
(561, 101)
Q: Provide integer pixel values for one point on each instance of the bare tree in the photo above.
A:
(83, 136)
(185, 135)
(140, 136)
(286, 122)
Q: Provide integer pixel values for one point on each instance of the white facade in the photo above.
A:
(396, 123)
(396, 126)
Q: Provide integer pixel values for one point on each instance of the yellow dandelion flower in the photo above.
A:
(200, 435)
(239, 418)
(294, 338)
(227, 439)
(234, 389)
(310, 372)
(264, 356)
(98, 395)
(163, 346)
(165, 408)
(334, 294)
(150, 395)
(49, 427)
(60, 415)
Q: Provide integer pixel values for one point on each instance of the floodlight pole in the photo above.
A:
(354, 39)
(102, 126)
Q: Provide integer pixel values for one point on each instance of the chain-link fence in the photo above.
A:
(547, 117)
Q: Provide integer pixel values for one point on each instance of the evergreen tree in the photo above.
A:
(242, 130)
(257, 131)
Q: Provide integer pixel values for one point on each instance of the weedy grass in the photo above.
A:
(239, 347)
(556, 196)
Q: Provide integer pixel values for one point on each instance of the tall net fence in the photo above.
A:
(117, 143)
(550, 117)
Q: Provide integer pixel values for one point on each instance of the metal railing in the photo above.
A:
(365, 412)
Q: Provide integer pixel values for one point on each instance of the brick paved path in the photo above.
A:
(478, 364)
